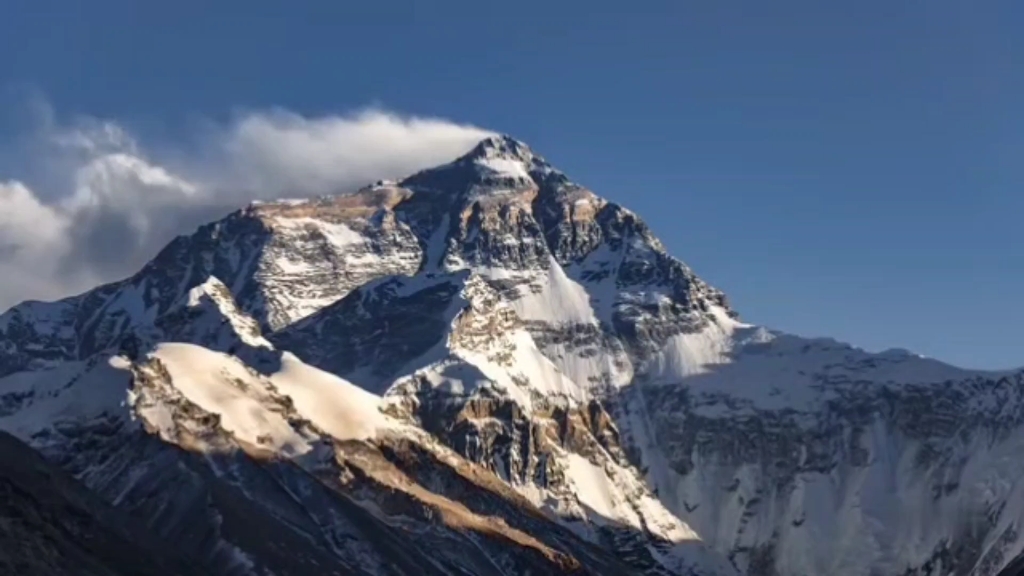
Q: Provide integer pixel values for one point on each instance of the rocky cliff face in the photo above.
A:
(493, 358)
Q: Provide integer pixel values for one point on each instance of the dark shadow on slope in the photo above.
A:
(372, 334)
(51, 525)
(183, 499)
(1014, 568)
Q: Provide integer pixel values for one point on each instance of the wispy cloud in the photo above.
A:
(94, 203)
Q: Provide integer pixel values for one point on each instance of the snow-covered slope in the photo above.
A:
(800, 456)
(223, 451)
(245, 401)
(490, 344)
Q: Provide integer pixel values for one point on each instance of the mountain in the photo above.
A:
(485, 368)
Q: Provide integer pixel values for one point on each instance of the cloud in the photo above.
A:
(33, 238)
(282, 151)
(91, 203)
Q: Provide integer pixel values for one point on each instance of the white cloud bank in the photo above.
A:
(97, 203)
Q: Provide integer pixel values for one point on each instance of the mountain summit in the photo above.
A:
(501, 146)
(487, 368)
(497, 164)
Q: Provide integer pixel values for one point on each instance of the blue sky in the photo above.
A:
(843, 169)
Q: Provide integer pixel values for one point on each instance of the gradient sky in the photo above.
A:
(851, 169)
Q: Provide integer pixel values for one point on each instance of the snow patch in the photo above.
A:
(505, 167)
(222, 385)
(334, 405)
(592, 487)
(336, 233)
(549, 295)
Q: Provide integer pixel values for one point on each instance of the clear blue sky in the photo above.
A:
(852, 169)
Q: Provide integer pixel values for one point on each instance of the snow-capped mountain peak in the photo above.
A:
(488, 339)
(500, 146)
(498, 164)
